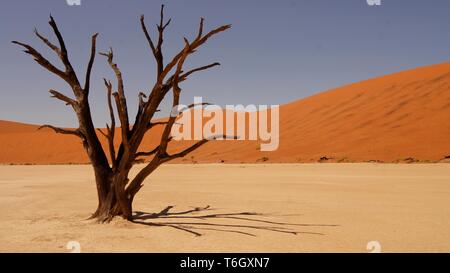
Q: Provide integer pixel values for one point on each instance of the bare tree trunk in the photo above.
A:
(111, 201)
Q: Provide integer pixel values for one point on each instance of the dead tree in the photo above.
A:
(115, 190)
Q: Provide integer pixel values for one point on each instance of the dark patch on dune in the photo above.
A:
(364, 124)
(397, 107)
(445, 106)
(440, 78)
(403, 116)
(324, 159)
(407, 160)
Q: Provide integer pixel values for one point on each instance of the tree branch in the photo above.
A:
(120, 99)
(67, 100)
(90, 64)
(48, 43)
(190, 106)
(154, 151)
(167, 157)
(111, 130)
(153, 124)
(63, 49)
(183, 153)
(103, 133)
(62, 131)
(176, 100)
(168, 84)
(187, 74)
(147, 35)
(200, 28)
(194, 147)
(43, 61)
(157, 50)
(193, 46)
(64, 55)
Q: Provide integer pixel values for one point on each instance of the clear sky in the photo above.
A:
(276, 52)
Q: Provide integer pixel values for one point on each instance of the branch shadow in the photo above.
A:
(247, 222)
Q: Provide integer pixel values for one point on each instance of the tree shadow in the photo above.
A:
(258, 221)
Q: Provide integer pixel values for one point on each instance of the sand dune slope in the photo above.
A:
(390, 118)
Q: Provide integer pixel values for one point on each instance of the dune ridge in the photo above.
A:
(401, 117)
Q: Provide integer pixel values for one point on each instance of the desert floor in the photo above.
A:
(252, 208)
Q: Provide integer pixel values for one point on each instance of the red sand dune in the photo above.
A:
(390, 118)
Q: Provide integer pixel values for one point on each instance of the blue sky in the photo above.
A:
(276, 51)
